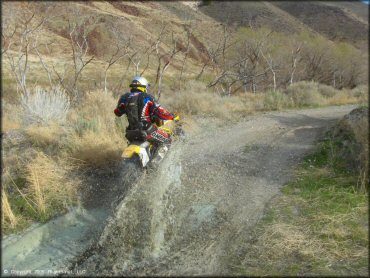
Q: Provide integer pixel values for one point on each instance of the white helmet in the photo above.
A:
(140, 83)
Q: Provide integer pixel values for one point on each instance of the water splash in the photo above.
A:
(167, 180)
(139, 230)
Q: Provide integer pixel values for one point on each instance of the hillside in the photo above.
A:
(357, 8)
(133, 27)
(251, 14)
(339, 21)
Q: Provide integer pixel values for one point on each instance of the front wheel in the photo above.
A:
(130, 168)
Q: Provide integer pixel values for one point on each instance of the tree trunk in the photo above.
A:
(105, 81)
(334, 79)
(293, 70)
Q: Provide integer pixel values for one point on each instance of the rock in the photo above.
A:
(350, 137)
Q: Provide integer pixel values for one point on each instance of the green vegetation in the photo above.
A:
(318, 226)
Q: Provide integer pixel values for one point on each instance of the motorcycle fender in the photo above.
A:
(130, 151)
(141, 152)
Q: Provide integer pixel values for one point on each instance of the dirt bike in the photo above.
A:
(145, 151)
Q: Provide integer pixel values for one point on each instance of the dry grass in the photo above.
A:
(326, 91)
(10, 116)
(287, 240)
(312, 242)
(305, 93)
(196, 99)
(99, 137)
(92, 136)
(342, 97)
(9, 123)
(51, 186)
(98, 149)
(94, 113)
(8, 217)
(44, 136)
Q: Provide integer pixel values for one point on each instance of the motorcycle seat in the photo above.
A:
(136, 135)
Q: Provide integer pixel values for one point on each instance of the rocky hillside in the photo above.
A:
(339, 21)
(336, 22)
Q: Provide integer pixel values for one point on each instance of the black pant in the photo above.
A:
(152, 134)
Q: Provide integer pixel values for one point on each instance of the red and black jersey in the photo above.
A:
(140, 108)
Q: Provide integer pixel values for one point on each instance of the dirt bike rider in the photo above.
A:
(142, 109)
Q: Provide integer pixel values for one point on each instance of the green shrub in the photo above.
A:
(276, 100)
(82, 125)
(327, 91)
(43, 106)
(304, 94)
(360, 91)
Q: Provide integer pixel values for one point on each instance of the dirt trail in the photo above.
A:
(193, 215)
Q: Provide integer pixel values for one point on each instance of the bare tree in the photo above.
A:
(7, 35)
(229, 76)
(20, 42)
(121, 50)
(252, 50)
(219, 50)
(272, 67)
(187, 49)
(317, 60)
(42, 61)
(242, 68)
(78, 32)
(295, 59)
(164, 60)
(141, 52)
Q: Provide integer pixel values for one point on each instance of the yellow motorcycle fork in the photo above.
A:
(133, 149)
(168, 127)
(130, 151)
